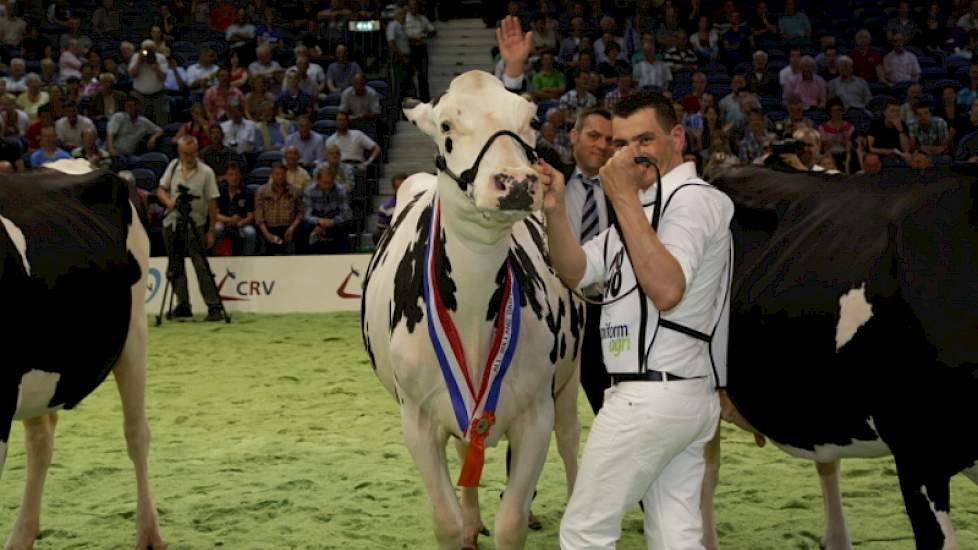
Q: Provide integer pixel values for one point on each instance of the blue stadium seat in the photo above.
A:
(332, 99)
(146, 179)
(258, 176)
(328, 113)
(324, 127)
(155, 161)
(252, 188)
(268, 158)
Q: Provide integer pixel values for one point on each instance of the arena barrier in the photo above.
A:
(273, 284)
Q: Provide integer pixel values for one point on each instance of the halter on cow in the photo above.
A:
(71, 245)
(476, 338)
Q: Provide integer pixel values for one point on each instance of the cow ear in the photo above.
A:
(421, 115)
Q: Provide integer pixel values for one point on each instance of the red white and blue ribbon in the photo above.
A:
(474, 405)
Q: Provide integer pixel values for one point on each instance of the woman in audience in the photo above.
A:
(835, 133)
(258, 95)
(239, 74)
(198, 126)
(34, 97)
(704, 40)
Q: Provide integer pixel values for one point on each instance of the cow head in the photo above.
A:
(485, 146)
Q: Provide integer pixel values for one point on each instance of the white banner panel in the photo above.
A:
(272, 284)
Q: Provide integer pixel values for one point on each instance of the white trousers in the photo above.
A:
(646, 444)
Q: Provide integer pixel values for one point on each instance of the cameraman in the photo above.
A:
(187, 176)
(148, 71)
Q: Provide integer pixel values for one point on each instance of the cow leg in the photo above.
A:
(472, 525)
(8, 405)
(567, 427)
(836, 530)
(927, 499)
(39, 440)
(711, 479)
(427, 446)
(130, 378)
(529, 437)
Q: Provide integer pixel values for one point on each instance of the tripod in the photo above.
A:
(185, 243)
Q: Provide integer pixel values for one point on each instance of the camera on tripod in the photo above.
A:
(184, 200)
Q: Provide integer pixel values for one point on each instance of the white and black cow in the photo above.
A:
(900, 251)
(471, 241)
(75, 255)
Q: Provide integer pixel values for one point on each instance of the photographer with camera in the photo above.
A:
(147, 68)
(188, 190)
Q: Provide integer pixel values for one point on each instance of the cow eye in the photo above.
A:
(446, 127)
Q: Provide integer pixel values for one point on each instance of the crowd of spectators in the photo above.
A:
(863, 84)
(301, 89)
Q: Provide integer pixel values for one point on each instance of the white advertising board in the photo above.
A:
(272, 284)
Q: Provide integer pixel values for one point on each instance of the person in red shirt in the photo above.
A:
(865, 60)
(222, 17)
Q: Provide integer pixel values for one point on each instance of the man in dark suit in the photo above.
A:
(107, 101)
(589, 214)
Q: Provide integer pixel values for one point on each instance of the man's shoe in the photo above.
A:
(215, 315)
(181, 312)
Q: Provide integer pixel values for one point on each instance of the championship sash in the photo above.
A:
(474, 405)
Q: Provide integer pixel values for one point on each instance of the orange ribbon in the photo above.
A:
(475, 457)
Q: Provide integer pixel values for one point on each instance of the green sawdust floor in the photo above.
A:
(273, 433)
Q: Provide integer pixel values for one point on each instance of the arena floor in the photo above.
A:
(272, 433)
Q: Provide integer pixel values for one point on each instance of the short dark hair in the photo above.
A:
(646, 99)
(922, 105)
(279, 165)
(835, 101)
(233, 165)
(585, 114)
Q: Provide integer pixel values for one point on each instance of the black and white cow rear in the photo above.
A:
(902, 248)
(74, 254)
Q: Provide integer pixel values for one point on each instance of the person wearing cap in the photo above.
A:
(147, 68)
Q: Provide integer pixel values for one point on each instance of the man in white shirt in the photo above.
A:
(312, 79)
(899, 65)
(12, 29)
(650, 71)
(648, 439)
(17, 79)
(267, 66)
(793, 68)
(418, 30)
(353, 144)
(148, 71)
(203, 74)
(239, 132)
(340, 73)
(241, 32)
(360, 100)
(70, 127)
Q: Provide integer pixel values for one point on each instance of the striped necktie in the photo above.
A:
(589, 218)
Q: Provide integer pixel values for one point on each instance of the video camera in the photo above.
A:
(184, 199)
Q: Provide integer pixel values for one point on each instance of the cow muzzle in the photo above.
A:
(516, 190)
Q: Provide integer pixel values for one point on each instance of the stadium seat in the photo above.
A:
(146, 179)
(380, 86)
(268, 158)
(258, 176)
(155, 161)
(332, 99)
(328, 113)
(252, 188)
(324, 127)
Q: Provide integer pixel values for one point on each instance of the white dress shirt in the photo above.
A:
(695, 229)
(240, 136)
(574, 196)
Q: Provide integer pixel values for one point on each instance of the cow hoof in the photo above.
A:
(534, 523)
(20, 541)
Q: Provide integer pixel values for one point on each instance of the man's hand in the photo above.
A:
(325, 222)
(362, 166)
(553, 187)
(289, 233)
(621, 178)
(514, 46)
(209, 239)
(151, 144)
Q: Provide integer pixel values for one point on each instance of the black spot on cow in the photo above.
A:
(536, 231)
(492, 314)
(443, 269)
(407, 278)
(554, 322)
(380, 254)
(448, 145)
(576, 321)
(436, 99)
(529, 278)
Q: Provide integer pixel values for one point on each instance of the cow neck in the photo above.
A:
(477, 253)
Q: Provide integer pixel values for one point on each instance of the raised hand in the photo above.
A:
(514, 45)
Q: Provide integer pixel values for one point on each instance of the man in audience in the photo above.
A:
(900, 65)
(49, 151)
(851, 89)
(217, 155)
(327, 215)
(309, 143)
(239, 132)
(360, 100)
(278, 213)
(354, 144)
(311, 78)
(148, 72)
(807, 86)
(297, 176)
(219, 96)
(929, 134)
(69, 128)
(203, 74)
(235, 214)
(339, 74)
(127, 131)
(108, 100)
(89, 149)
(345, 176)
(548, 82)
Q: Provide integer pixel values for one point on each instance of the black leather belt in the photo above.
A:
(647, 376)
